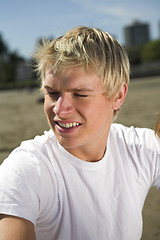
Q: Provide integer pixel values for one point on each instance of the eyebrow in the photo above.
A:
(72, 89)
(80, 90)
(47, 87)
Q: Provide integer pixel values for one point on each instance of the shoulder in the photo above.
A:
(30, 158)
(139, 137)
(25, 176)
(37, 147)
(40, 142)
(138, 148)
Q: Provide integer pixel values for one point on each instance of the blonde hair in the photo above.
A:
(90, 49)
(157, 128)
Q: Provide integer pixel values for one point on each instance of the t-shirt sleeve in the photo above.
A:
(20, 186)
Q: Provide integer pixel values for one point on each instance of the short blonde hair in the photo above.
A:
(90, 49)
(157, 128)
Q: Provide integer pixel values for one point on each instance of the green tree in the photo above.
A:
(8, 62)
(151, 51)
(3, 47)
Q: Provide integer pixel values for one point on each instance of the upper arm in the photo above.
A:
(16, 228)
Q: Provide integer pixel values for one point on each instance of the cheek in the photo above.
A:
(94, 113)
(103, 113)
(48, 108)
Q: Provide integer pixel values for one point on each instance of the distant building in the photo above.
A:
(136, 33)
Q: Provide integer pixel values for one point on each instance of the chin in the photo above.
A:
(67, 143)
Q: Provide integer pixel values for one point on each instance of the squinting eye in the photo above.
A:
(80, 95)
(54, 95)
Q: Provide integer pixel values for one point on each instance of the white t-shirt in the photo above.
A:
(70, 199)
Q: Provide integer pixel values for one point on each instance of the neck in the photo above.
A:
(89, 153)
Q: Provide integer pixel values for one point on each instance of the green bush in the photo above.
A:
(151, 51)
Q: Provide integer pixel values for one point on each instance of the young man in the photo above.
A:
(86, 178)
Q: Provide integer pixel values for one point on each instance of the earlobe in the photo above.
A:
(120, 97)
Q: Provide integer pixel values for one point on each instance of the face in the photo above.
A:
(78, 112)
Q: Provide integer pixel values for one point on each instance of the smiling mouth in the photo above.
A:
(68, 125)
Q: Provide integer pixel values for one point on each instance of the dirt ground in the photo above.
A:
(22, 117)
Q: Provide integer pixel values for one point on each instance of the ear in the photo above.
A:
(120, 97)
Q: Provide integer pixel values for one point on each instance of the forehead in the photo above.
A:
(76, 77)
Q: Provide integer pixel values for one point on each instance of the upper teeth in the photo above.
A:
(68, 125)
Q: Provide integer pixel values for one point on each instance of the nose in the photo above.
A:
(64, 106)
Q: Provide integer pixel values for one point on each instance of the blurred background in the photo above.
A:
(23, 24)
(135, 24)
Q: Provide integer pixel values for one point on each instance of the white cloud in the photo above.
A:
(121, 10)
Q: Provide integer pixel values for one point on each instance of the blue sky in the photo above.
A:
(23, 22)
